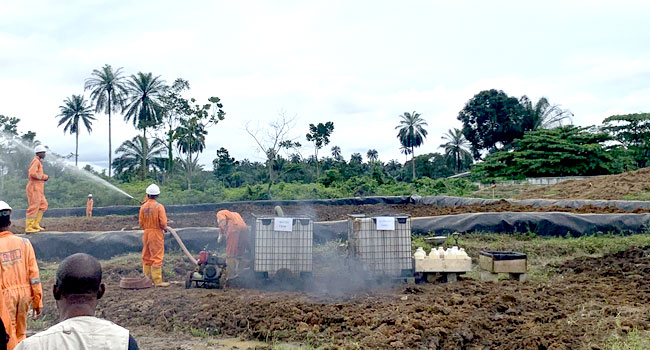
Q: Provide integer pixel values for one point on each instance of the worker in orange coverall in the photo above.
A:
(20, 279)
(153, 220)
(89, 205)
(235, 230)
(35, 192)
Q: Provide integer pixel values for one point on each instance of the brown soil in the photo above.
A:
(318, 212)
(618, 186)
(577, 309)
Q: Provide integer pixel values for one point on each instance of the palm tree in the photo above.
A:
(456, 147)
(411, 133)
(144, 106)
(544, 115)
(372, 155)
(107, 90)
(136, 152)
(73, 111)
(336, 153)
(190, 138)
(405, 151)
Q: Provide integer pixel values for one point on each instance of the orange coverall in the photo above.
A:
(153, 220)
(89, 207)
(233, 226)
(20, 280)
(6, 321)
(35, 188)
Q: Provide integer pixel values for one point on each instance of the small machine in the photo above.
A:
(208, 272)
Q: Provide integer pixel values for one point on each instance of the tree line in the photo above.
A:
(501, 137)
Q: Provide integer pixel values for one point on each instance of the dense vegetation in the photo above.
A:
(512, 138)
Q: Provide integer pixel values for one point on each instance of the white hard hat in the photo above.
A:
(4, 206)
(153, 190)
(39, 149)
(90, 195)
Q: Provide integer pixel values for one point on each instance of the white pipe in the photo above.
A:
(180, 243)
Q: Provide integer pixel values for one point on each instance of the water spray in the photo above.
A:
(52, 158)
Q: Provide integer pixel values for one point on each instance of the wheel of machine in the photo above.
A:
(188, 280)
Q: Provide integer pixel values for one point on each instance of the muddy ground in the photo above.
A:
(318, 212)
(577, 307)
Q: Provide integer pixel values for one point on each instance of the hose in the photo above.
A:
(180, 243)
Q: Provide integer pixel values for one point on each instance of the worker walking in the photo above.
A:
(233, 227)
(36, 192)
(5, 317)
(89, 205)
(153, 220)
(20, 277)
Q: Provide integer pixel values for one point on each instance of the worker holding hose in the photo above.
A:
(20, 280)
(233, 227)
(153, 219)
(36, 192)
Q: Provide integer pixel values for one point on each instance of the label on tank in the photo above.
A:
(283, 224)
(386, 223)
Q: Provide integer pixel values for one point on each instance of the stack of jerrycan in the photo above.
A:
(442, 260)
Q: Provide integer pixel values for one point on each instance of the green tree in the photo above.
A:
(320, 136)
(74, 110)
(544, 115)
(632, 131)
(107, 91)
(224, 166)
(411, 133)
(563, 151)
(136, 153)
(456, 148)
(191, 133)
(336, 153)
(175, 108)
(143, 103)
(492, 120)
(372, 155)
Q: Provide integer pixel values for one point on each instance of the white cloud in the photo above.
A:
(358, 64)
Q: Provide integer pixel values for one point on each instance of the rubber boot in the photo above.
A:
(37, 223)
(156, 276)
(146, 269)
(29, 225)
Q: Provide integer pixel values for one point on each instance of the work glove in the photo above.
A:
(219, 239)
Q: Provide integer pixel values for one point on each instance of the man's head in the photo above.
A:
(5, 216)
(153, 191)
(79, 280)
(40, 151)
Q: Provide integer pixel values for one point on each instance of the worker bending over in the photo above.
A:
(20, 279)
(234, 228)
(89, 205)
(36, 192)
(77, 290)
(153, 220)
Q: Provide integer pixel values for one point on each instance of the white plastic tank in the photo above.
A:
(419, 253)
(441, 252)
(434, 254)
(462, 254)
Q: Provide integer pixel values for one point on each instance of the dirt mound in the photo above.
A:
(632, 263)
(619, 186)
(577, 309)
(318, 212)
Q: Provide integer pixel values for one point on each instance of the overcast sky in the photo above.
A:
(359, 64)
